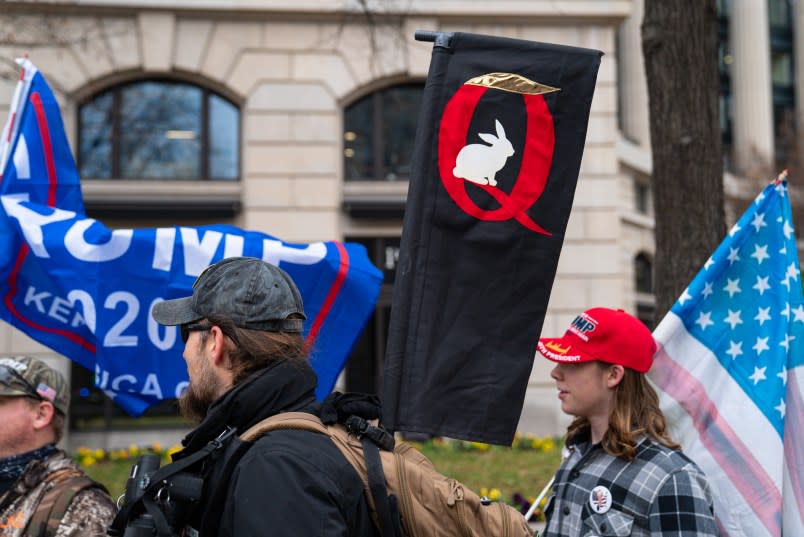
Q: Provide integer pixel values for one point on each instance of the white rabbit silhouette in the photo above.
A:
(479, 163)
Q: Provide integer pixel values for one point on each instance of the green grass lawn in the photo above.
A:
(509, 470)
(524, 469)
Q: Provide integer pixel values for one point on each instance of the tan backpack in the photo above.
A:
(428, 504)
(63, 487)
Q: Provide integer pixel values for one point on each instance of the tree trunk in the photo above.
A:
(679, 42)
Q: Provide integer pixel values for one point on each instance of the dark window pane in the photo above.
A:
(358, 141)
(642, 197)
(645, 313)
(379, 133)
(224, 139)
(784, 116)
(644, 274)
(400, 115)
(725, 58)
(95, 144)
(160, 129)
(782, 68)
(779, 13)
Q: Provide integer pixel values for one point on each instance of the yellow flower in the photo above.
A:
(484, 491)
(133, 450)
(174, 449)
(495, 494)
(480, 446)
(99, 454)
(156, 447)
(83, 451)
(88, 460)
(548, 445)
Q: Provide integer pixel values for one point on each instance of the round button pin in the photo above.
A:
(600, 499)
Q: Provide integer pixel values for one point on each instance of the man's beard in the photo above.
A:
(200, 394)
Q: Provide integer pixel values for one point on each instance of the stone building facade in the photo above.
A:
(293, 69)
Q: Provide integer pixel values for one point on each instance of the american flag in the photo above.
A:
(730, 372)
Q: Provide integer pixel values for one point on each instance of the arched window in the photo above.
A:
(378, 133)
(158, 129)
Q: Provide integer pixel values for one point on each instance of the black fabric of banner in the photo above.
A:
(477, 262)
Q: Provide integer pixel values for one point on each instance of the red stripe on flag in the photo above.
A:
(11, 125)
(343, 269)
(793, 445)
(47, 148)
(12, 280)
(744, 472)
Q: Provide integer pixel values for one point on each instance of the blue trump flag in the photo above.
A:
(35, 157)
(730, 372)
(87, 291)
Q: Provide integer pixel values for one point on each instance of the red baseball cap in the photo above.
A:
(605, 335)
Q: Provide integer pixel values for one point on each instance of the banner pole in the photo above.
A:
(539, 499)
(8, 132)
(441, 39)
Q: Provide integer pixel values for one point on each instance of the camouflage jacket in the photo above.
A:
(88, 514)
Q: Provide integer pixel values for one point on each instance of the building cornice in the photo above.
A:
(574, 10)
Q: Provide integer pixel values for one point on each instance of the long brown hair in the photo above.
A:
(252, 350)
(635, 411)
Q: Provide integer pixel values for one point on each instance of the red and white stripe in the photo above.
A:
(27, 72)
(756, 480)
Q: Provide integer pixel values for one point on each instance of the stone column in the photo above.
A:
(633, 100)
(752, 108)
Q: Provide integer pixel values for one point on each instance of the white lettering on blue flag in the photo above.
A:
(87, 291)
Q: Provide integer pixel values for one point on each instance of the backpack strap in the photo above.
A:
(55, 503)
(379, 492)
(285, 420)
(383, 504)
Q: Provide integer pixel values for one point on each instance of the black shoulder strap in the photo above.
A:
(120, 521)
(379, 493)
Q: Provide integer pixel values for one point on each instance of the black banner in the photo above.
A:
(498, 149)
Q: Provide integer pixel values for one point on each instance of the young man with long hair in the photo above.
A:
(247, 360)
(623, 475)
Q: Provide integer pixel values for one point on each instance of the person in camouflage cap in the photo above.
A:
(42, 491)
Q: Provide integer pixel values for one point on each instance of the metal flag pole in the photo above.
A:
(11, 124)
(536, 502)
(440, 39)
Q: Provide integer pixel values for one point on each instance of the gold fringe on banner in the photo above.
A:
(512, 83)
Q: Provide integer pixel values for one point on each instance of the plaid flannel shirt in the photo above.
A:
(660, 493)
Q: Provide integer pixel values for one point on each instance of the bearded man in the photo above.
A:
(246, 359)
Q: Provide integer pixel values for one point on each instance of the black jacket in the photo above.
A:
(289, 482)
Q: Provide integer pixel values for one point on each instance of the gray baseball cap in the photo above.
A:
(252, 293)
(23, 376)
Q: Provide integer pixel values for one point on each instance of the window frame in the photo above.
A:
(204, 154)
(378, 123)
